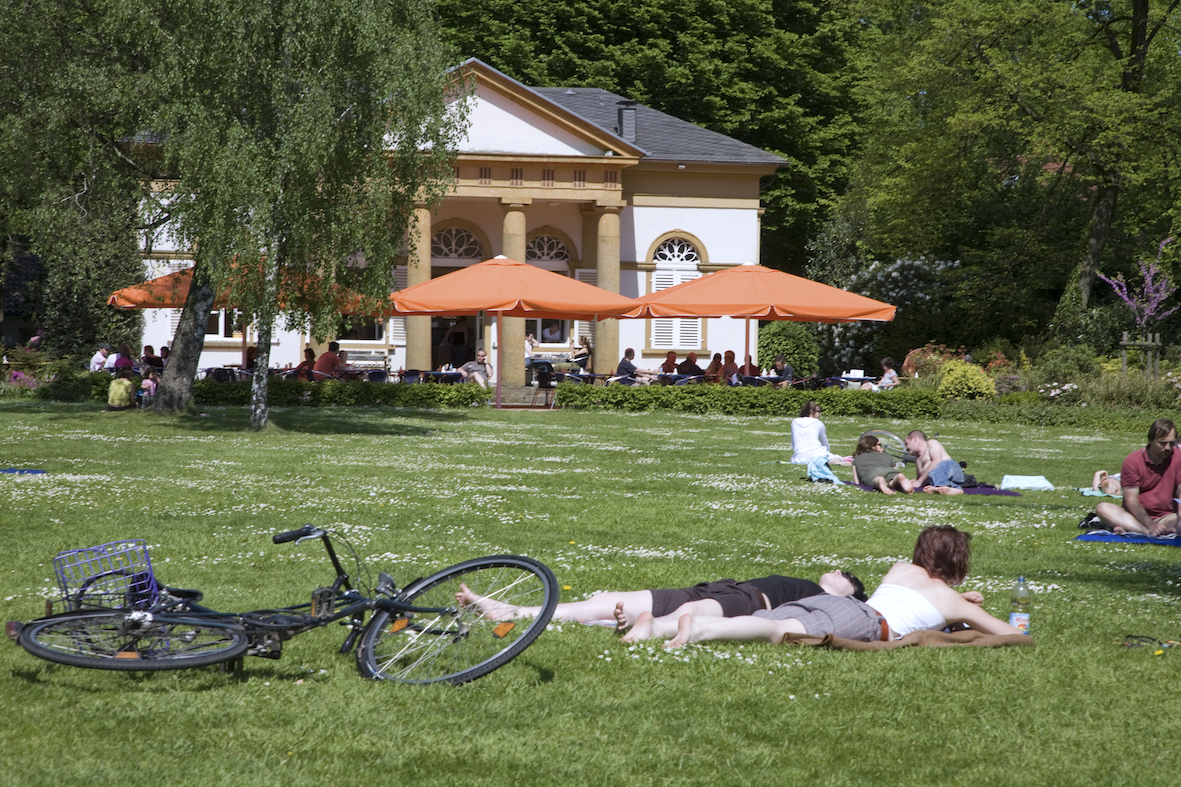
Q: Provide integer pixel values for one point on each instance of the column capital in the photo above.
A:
(595, 208)
(515, 203)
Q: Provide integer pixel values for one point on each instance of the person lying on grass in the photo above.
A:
(723, 598)
(872, 466)
(912, 597)
(1150, 479)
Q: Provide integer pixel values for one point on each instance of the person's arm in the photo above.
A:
(822, 435)
(922, 465)
(1134, 507)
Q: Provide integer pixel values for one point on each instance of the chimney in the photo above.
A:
(627, 120)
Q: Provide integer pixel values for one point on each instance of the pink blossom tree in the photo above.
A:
(1146, 303)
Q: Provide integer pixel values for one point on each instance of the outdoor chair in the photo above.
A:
(545, 381)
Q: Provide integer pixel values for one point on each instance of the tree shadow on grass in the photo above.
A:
(1148, 569)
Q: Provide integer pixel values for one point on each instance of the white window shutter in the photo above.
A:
(585, 327)
(669, 333)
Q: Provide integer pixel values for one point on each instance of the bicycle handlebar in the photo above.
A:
(307, 531)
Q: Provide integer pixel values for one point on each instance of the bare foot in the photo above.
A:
(623, 621)
(493, 610)
(686, 633)
(641, 629)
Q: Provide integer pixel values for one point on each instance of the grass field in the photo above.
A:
(607, 501)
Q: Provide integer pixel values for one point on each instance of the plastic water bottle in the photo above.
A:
(1020, 603)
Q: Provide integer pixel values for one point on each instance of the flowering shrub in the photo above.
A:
(927, 361)
(18, 385)
(963, 380)
(1066, 393)
(1146, 303)
(904, 283)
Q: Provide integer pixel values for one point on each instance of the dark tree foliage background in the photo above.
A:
(772, 73)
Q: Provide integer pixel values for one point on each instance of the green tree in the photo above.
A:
(70, 94)
(301, 134)
(1010, 132)
(772, 73)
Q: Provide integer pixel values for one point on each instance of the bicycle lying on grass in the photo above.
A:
(119, 618)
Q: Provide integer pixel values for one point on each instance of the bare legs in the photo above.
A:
(598, 607)
(691, 629)
(1120, 521)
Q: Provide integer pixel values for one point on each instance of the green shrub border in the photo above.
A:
(334, 393)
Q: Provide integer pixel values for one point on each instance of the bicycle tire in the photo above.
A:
(422, 648)
(894, 445)
(129, 641)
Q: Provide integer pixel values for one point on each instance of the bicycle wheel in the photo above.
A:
(894, 445)
(461, 644)
(133, 641)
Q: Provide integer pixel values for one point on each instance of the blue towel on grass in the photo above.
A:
(1170, 540)
(21, 471)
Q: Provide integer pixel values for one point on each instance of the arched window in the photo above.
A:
(677, 250)
(546, 247)
(456, 243)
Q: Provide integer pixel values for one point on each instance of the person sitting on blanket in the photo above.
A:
(872, 466)
(725, 598)
(808, 438)
(1150, 479)
(912, 597)
(936, 469)
(1107, 484)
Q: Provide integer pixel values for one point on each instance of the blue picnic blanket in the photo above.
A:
(21, 471)
(1170, 540)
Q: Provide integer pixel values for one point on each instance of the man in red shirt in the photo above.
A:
(1150, 480)
(329, 363)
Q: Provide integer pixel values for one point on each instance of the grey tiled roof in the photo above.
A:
(661, 136)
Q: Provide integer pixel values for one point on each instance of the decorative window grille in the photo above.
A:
(485, 176)
(547, 177)
(397, 334)
(677, 250)
(517, 177)
(579, 178)
(456, 243)
(546, 247)
(611, 179)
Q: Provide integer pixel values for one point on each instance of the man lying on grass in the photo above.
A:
(724, 598)
(912, 597)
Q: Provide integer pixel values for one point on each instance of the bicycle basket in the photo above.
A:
(109, 576)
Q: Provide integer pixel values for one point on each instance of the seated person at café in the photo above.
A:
(713, 372)
(781, 371)
(630, 374)
(729, 368)
(748, 369)
(1150, 478)
(304, 370)
(582, 354)
(889, 376)
(329, 364)
(478, 371)
(689, 366)
(670, 363)
(150, 359)
(99, 359)
(551, 332)
(124, 360)
(120, 392)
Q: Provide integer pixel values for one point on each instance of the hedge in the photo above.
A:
(283, 392)
(762, 400)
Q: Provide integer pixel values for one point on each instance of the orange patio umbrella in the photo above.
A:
(172, 290)
(757, 292)
(508, 288)
(762, 293)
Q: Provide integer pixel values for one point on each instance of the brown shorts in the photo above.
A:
(736, 598)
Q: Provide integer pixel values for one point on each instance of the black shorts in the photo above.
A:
(736, 598)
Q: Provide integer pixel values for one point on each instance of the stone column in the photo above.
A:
(418, 270)
(512, 339)
(607, 352)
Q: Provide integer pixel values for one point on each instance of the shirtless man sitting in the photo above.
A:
(724, 598)
(936, 469)
(1150, 479)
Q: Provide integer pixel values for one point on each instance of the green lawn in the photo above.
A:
(616, 501)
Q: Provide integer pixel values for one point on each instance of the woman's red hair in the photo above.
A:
(944, 552)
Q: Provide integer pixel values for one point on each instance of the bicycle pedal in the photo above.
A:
(323, 603)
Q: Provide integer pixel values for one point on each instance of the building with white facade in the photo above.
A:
(575, 180)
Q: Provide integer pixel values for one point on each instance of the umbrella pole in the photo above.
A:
(747, 332)
(499, 355)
